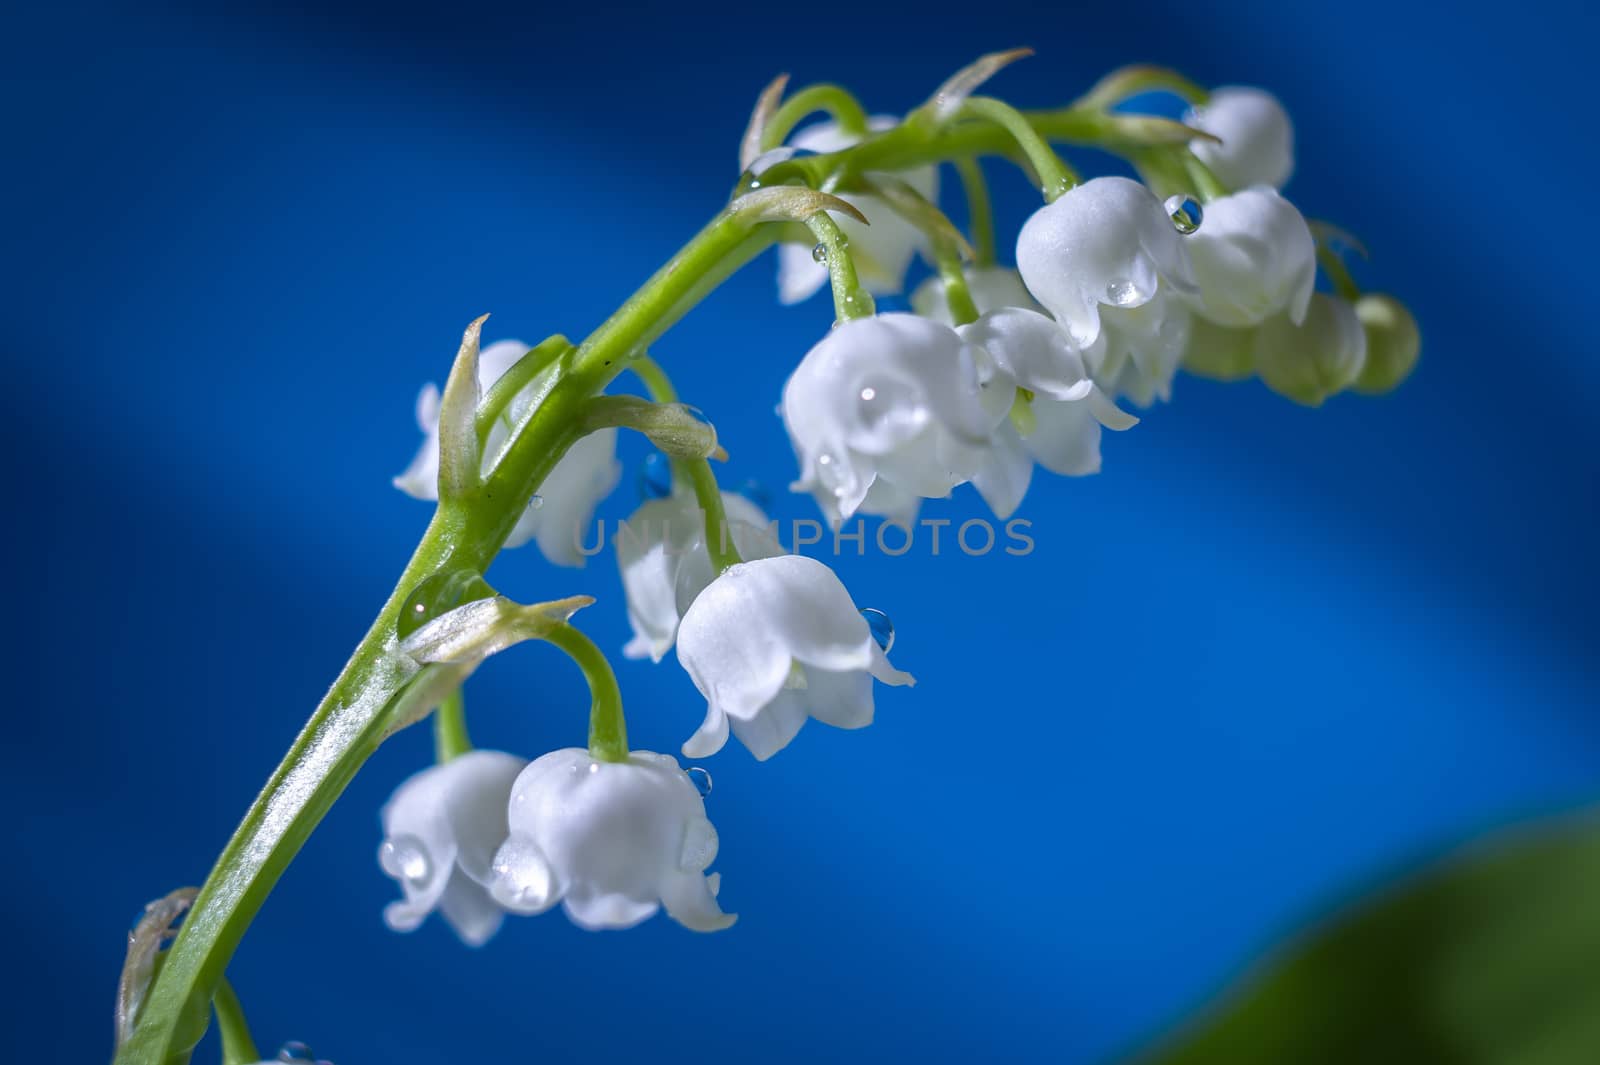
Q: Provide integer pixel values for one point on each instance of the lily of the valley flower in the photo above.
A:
(1108, 242)
(613, 842)
(881, 251)
(652, 548)
(1256, 140)
(1313, 360)
(1142, 349)
(991, 288)
(892, 397)
(772, 642)
(441, 830)
(1253, 257)
(566, 501)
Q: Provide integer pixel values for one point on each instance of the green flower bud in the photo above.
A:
(1312, 361)
(1219, 352)
(1393, 343)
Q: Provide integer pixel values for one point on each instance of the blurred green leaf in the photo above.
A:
(1491, 957)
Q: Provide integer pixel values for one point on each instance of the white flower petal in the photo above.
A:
(561, 518)
(1253, 257)
(1003, 480)
(469, 910)
(691, 901)
(1257, 140)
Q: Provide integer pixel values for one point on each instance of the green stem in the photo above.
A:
(1338, 273)
(844, 108)
(850, 300)
(237, 1046)
(1055, 177)
(980, 215)
(608, 731)
(351, 721)
(719, 541)
(450, 738)
(957, 294)
(654, 378)
(1206, 183)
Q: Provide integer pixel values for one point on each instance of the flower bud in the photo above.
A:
(1255, 144)
(1393, 343)
(1312, 361)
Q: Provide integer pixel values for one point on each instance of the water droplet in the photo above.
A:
(405, 858)
(1185, 212)
(1122, 292)
(699, 846)
(880, 626)
(757, 493)
(655, 477)
(536, 502)
(700, 779)
(437, 595)
(819, 254)
(296, 1052)
(831, 475)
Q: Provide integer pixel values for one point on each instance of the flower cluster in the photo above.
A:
(993, 371)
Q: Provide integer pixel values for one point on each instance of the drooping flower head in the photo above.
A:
(1142, 349)
(892, 397)
(441, 829)
(612, 842)
(1107, 242)
(1253, 257)
(1256, 139)
(881, 251)
(653, 547)
(772, 642)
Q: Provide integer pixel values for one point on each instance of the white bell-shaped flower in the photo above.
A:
(1253, 257)
(772, 642)
(558, 518)
(567, 499)
(652, 546)
(893, 397)
(991, 288)
(613, 842)
(441, 830)
(881, 251)
(1257, 141)
(1065, 437)
(1313, 360)
(1141, 349)
(1106, 243)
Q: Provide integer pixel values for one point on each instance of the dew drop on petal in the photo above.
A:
(880, 626)
(699, 845)
(1122, 292)
(1185, 213)
(405, 858)
(296, 1052)
(700, 778)
(830, 474)
(655, 477)
(819, 253)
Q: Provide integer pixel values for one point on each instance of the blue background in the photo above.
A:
(1270, 656)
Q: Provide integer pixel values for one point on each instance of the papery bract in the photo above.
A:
(882, 250)
(569, 494)
(1312, 361)
(772, 642)
(892, 397)
(441, 829)
(1256, 140)
(1107, 242)
(613, 842)
(1253, 257)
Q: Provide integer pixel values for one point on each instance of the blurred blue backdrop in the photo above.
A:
(1269, 657)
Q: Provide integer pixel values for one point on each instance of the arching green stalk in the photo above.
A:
(450, 739)
(719, 541)
(608, 730)
(850, 300)
(238, 1048)
(844, 109)
(1055, 177)
(980, 215)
